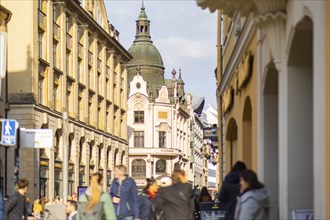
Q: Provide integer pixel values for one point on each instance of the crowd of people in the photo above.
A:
(242, 196)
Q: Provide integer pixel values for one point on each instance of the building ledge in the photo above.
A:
(154, 151)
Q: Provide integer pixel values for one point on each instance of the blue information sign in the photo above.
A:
(9, 132)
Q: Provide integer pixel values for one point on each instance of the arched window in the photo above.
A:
(139, 168)
(160, 166)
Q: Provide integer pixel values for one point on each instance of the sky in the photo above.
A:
(184, 34)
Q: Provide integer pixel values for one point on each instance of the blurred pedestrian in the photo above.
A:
(146, 197)
(205, 196)
(37, 208)
(74, 196)
(176, 201)
(231, 189)
(94, 204)
(253, 202)
(1, 207)
(14, 207)
(28, 207)
(124, 195)
(71, 210)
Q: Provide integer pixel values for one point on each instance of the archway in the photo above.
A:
(247, 132)
(231, 144)
(270, 158)
(300, 118)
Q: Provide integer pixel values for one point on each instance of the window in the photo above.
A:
(68, 97)
(139, 168)
(162, 139)
(68, 64)
(40, 4)
(55, 95)
(100, 157)
(139, 117)
(40, 36)
(138, 138)
(55, 14)
(67, 23)
(160, 166)
(99, 113)
(78, 72)
(54, 55)
(90, 100)
(80, 109)
(40, 89)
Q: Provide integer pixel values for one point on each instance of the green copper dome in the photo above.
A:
(145, 53)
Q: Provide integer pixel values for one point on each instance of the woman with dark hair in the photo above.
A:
(205, 196)
(94, 204)
(176, 201)
(253, 202)
(146, 197)
(230, 190)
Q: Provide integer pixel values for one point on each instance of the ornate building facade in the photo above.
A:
(159, 113)
(66, 57)
(273, 93)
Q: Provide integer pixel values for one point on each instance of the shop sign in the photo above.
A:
(228, 100)
(36, 138)
(244, 70)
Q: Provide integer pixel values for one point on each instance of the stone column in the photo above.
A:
(274, 25)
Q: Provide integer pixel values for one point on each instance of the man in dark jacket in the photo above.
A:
(124, 195)
(14, 207)
(231, 189)
(177, 201)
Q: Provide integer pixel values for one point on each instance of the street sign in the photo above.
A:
(36, 138)
(8, 132)
(3, 54)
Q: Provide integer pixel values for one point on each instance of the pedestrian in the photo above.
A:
(14, 207)
(146, 197)
(74, 196)
(37, 208)
(231, 189)
(94, 203)
(176, 201)
(1, 207)
(28, 208)
(205, 196)
(71, 210)
(253, 202)
(124, 195)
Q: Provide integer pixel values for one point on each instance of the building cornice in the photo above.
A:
(242, 44)
(93, 25)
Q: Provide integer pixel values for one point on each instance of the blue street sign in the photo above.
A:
(8, 133)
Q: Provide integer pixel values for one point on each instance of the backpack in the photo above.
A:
(96, 214)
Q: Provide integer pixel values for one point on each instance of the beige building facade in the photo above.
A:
(66, 57)
(289, 41)
(5, 16)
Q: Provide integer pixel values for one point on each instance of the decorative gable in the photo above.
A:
(163, 95)
(138, 85)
